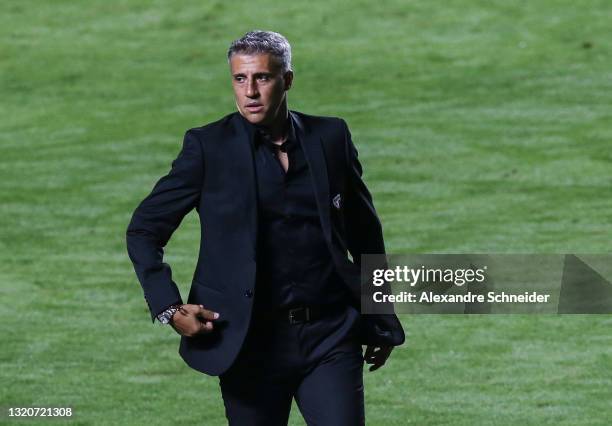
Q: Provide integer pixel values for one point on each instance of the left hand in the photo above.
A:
(377, 356)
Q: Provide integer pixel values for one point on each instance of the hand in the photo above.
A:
(191, 320)
(377, 356)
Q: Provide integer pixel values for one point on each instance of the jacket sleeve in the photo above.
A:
(364, 231)
(157, 217)
(365, 236)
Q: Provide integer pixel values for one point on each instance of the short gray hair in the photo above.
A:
(263, 42)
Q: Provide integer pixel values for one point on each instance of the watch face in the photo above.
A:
(164, 319)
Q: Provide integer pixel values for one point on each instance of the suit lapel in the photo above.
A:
(312, 145)
(244, 180)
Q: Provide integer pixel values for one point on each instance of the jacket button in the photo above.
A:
(248, 293)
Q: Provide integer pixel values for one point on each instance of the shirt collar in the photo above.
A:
(260, 135)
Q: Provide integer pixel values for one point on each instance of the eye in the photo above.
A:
(239, 78)
(263, 77)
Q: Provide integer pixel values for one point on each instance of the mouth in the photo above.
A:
(254, 108)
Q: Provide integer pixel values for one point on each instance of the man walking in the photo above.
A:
(273, 309)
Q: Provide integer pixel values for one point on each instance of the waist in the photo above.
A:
(301, 314)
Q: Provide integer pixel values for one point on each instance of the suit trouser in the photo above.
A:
(319, 363)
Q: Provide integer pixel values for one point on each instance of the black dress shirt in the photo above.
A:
(294, 265)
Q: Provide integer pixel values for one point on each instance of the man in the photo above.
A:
(273, 309)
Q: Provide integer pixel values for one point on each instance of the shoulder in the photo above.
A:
(329, 127)
(317, 121)
(223, 125)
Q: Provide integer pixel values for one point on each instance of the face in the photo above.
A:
(260, 88)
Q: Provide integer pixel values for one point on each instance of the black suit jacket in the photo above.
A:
(214, 173)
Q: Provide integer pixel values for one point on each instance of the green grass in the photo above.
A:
(483, 126)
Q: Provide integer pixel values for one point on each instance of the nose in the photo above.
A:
(252, 91)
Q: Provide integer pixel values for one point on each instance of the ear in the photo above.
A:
(288, 79)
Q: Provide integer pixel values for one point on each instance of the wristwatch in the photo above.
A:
(166, 316)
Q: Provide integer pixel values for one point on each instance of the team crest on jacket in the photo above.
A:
(337, 201)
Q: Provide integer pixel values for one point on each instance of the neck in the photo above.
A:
(279, 127)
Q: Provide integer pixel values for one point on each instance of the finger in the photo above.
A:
(375, 367)
(205, 327)
(377, 363)
(381, 357)
(369, 352)
(372, 353)
(376, 360)
(387, 351)
(383, 353)
(207, 314)
(189, 309)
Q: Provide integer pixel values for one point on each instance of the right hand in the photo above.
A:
(191, 320)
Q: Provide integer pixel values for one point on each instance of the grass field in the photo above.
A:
(483, 126)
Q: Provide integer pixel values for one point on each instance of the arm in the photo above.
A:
(365, 236)
(157, 217)
(364, 231)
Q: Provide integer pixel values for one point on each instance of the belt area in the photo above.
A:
(303, 314)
